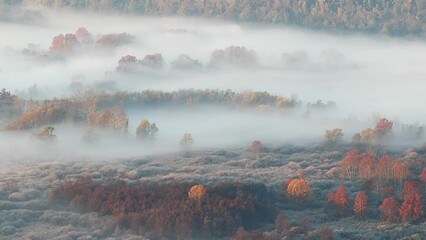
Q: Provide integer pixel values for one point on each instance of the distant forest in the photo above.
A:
(393, 17)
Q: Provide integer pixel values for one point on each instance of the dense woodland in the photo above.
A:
(404, 17)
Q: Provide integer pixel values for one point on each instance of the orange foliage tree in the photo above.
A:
(341, 200)
(350, 164)
(298, 189)
(360, 205)
(389, 209)
(197, 192)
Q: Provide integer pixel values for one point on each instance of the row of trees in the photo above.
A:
(405, 17)
(100, 108)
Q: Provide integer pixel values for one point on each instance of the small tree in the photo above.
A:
(360, 205)
(400, 171)
(389, 209)
(333, 137)
(282, 225)
(255, 148)
(47, 134)
(341, 200)
(197, 192)
(350, 164)
(299, 189)
(186, 139)
(146, 130)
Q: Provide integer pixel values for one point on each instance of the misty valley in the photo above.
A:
(212, 120)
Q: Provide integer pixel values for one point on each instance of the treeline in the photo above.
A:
(404, 17)
(174, 210)
(106, 110)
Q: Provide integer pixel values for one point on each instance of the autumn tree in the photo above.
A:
(368, 136)
(197, 192)
(153, 61)
(127, 63)
(412, 208)
(400, 171)
(389, 209)
(383, 127)
(333, 137)
(384, 168)
(64, 43)
(423, 175)
(47, 134)
(255, 148)
(146, 130)
(83, 36)
(282, 225)
(360, 205)
(366, 168)
(350, 164)
(186, 139)
(410, 188)
(185, 62)
(299, 189)
(341, 201)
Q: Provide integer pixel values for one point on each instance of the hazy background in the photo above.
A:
(362, 74)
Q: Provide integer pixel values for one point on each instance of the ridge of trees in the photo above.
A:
(405, 17)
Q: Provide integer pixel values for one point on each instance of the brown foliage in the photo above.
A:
(166, 209)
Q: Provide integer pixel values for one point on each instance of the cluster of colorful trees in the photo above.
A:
(389, 17)
(69, 42)
(172, 211)
(380, 134)
(387, 176)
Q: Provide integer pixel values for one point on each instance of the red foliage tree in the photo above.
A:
(410, 188)
(423, 175)
(383, 127)
(389, 209)
(412, 208)
(63, 43)
(400, 171)
(366, 169)
(360, 205)
(341, 200)
(350, 164)
(384, 168)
